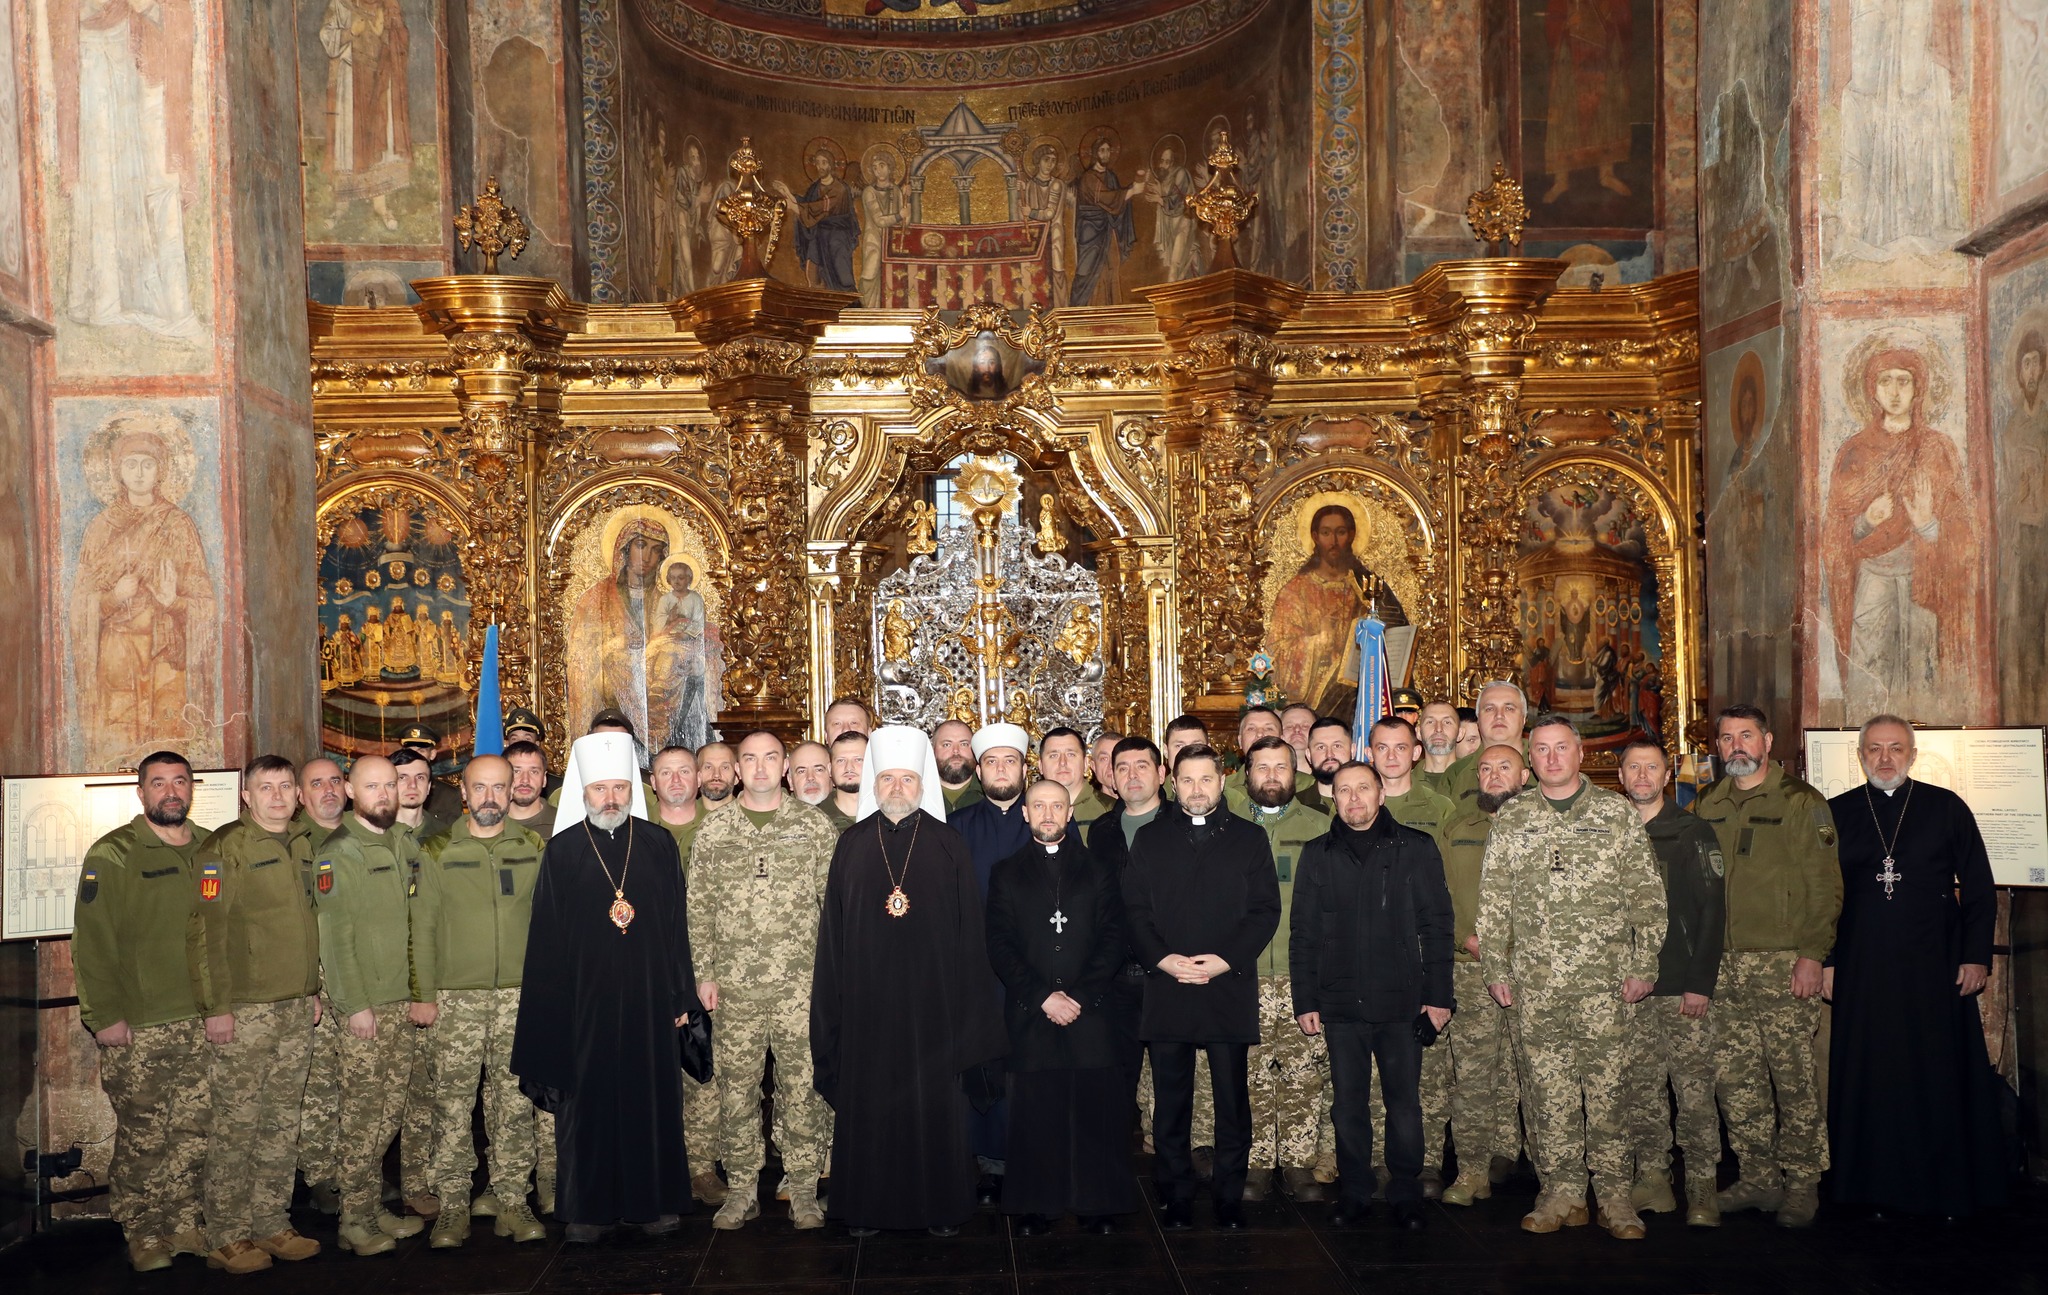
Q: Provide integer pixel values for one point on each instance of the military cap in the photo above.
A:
(419, 735)
(521, 718)
(1407, 699)
(614, 717)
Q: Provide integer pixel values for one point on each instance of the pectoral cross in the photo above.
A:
(1059, 922)
(1890, 874)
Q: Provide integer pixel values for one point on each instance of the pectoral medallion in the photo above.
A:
(621, 913)
(897, 904)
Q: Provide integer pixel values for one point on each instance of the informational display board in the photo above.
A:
(1999, 773)
(49, 824)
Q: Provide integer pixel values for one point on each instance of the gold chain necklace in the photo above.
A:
(898, 903)
(621, 912)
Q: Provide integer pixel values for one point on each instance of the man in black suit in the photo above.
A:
(1369, 955)
(1055, 939)
(1202, 900)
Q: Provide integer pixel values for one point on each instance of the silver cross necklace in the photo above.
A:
(1891, 873)
(1058, 921)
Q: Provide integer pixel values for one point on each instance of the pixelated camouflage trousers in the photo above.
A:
(1202, 1128)
(1468, 1079)
(320, 1111)
(259, 1085)
(1288, 1071)
(1574, 1065)
(703, 1140)
(777, 1019)
(416, 1124)
(1767, 1071)
(157, 1085)
(375, 1075)
(1666, 1047)
(472, 1042)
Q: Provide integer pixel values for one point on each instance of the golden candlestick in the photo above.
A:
(1223, 204)
(491, 226)
(750, 211)
(1498, 212)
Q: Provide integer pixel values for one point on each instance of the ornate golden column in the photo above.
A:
(842, 577)
(1220, 327)
(1141, 634)
(501, 330)
(757, 334)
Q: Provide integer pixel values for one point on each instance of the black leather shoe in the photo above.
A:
(1033, 1225)
(1179, 1217)
(1101, 1227)
(944, 1231)
(1409, 1217)
(585, 1234)
(989, 1189)
(1349, 1213)
(665, 1226)
(1230, 1216)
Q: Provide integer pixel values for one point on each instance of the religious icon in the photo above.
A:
(984, 367)
(827, 233)
(1589, 614)
(369, 143)
(1310, 628)
(1079, 637)
(924, 521)
(1048, 527)
(897, 632)
(1745, 405)
(1104, 231)
(1048, 198)
(1176, 234)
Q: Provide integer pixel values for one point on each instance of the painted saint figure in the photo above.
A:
(1590, 48)
(1315, 612)
(1898, 547)
(678, 662)
(369, 148)
(1177, 235)
(1049, 199)
(826, 231)
(1104, 231)
(881, 209)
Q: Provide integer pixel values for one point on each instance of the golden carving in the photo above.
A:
(491, 226)
(896, 632)
(1498, 212)
(1079, 637)
(1223, 204)
(1049, 540)
(924, 523)
(750, 212)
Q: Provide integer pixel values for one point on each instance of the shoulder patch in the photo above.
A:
(89, 885)
(209, 881)
(1716, 862)
(323, 876)
(1824, 824)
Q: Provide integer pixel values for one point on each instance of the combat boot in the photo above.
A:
(1701, 1209)
(1801, 1203)
(1258, 1184)
(1499, 1169)
(1326, 1168)
(1652, 1193)
(1471, 1186)
(740, 1206)
(238, 1257)
(288, 1245)
(324, 1196)
(191, 1241)
(805, 1211)
(450, 1231)
(1621, 1220)
(1747, 1195)
(1301, 1184)
(425, 1204)
(400, 1227)
(364, 1238)
(708, 1187)
(485, 1206)
(1555, 1210)
(544, 1193)
(517, 1221)
(149, 1254)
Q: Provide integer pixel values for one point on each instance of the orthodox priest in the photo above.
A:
(905, 1032)
(1912, 1100)
(607, 983)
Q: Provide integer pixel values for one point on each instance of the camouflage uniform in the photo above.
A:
(137, 950)
(320, 1109)
(1470, 1071)
(700, 1100)
(756, 892)
(361, 879)
(1784, 892)
(469, 920)
(1288, 1068)
(416, 1122)
(1571, 905)
(263, 958)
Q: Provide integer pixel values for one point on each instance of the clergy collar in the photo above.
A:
(1050, 847)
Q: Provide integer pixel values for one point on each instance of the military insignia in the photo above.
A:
(209, 881)
(1824, 825)
(323, 879)
(1717, 863)
(89, 886)
(1827, 836)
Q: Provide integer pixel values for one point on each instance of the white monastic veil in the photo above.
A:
(598, 757)
(898, 746)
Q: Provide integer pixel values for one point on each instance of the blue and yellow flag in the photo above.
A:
(490, 721)
(1375, 685)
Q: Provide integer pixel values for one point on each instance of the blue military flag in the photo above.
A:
(490, 721)
(1375, 685)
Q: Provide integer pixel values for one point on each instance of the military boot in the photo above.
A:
(288, 1245)
(740, 1206)
(1326, 1168)
(708, 1187)
(365, 1238)
(1652, 1193)
(149, 1254)
(516, 1220)
(1701, 1209)
(1499, 1169)
(324, 1196)
(1258, 1184)
(1555, 1210)
(1301, 1184)
(1748, 1195)
(238, 1257)
(485, 1206)
(1621, 1220)
(544, 1193)
(1801, 1203)
(425, 1204)
(400, 1226)
(1472, 1185)
(191, 1241)
(805, 1210)
(450, 1231)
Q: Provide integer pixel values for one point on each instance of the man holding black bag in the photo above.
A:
(1369, 957)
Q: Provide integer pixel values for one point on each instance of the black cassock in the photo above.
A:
(1913, 1120)
(902, 1023)
(1055, 925)
(597, 1012)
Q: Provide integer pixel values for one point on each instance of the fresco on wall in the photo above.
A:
(1744, 150)
(1445, 121)
(1750, 452)
(522, 129)
(1899, 532)
(125, 98)
(2022, 148)
(138, 488)
(1895, 143)
(1591, 648)
(367, 283)
(1012, 194)
(23, 640)
(2017, 358)
(1589, 112)
(394, 628)
(13, 197)
(370, 100)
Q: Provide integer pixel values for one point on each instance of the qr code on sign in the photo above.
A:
(2037, 876)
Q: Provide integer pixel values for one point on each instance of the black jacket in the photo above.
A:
(1371, 927)
(1033, 958)
(1106, 843)
(1689, 856)
(1193, 891)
